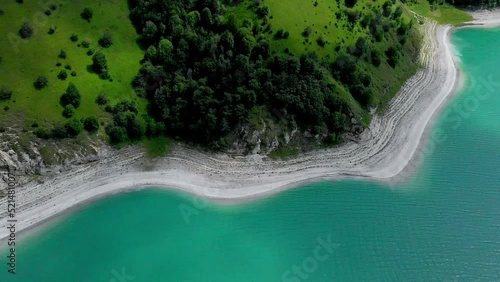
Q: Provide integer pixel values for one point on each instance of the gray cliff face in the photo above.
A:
(22, 154)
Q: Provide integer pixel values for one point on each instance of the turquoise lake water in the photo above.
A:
(442, 225)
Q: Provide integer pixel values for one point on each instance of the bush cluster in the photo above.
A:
(126, 124)
(5, 93)
(203, 73)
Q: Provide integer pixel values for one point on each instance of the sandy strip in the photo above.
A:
(383, 154)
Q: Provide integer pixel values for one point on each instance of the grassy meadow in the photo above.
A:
(443, 14)
(24, 60)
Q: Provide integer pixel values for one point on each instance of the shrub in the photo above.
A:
(63, 54)
(350, 3)
(307, 31)
(20, 1)
(90, 52)
(263, 11)
(6, 108)
(52, 29)
(321, 42)
(59, 131)
(91, 124)
(87, 14)
(53, 7)
(86, 43)
(1, 12)
(99, 63)
(41, 133)
(375, 57)
(353, 17)
(279, 34)
(74, 37)
(68, 111)
(40, 82)
(26, 30)
(5, 93)
(62, 75)
(73, 73)
(74, 127)
(101, 99)
(105, 76)
(58, 64)
(136, 129)
(34, 124)
(72, 96)
(68, 67)
(392, 56)
(398, 12)
(116, 134)
(106, 40)
(48, 12)
(125, 106)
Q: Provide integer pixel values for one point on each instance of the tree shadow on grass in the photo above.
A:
(90, 69)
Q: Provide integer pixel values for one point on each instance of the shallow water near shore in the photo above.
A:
(442, 225)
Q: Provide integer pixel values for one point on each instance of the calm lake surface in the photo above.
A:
(442, 225)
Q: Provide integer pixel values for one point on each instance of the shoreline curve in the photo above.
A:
(389, 151)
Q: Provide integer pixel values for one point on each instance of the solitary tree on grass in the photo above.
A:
(87, 14)
(26, 30)
(5, 93)
(106, 40)
(41, 82)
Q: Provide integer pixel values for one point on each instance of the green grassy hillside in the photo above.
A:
(444, 13)
(24, 60)
(219, 67)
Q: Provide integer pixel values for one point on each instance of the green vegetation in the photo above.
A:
(26, 30)
(63, 74)
(25, 60)
(100, 65)
(40, 82)
(442, 13)
(215, 66)
(91, 124)
(101, 99)
(87, 14)
(126, 126)
(208, 68)
(71, 96)
(157, 146)
(481, 4)
(106, 40)
(69, 111)
(284, 153)
(5, 93)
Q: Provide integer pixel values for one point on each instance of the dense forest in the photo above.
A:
(204, 71)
